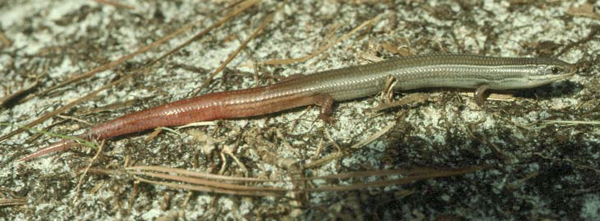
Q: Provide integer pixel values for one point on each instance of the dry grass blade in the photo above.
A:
(324, 160)
(256, 32)
(408, 99)
(63, 108)
(186, 27)
(196, 174)
(210, 189)
(113, 64)
(13, 202)
(410, 179)
(571, 122)
(374, 137)
(370, 173)
(123, 59)
(206, 182)
(356, 146)
(116, 4)
(243, 7)
(322, 49)
(98, 171)
(85, 171)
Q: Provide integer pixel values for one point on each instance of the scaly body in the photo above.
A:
(323, 88)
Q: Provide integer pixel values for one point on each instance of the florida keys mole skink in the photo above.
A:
(323, 88)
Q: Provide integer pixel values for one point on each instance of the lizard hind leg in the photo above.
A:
(480, 94)
(325, 101)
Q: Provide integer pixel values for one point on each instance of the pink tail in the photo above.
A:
(55, 147)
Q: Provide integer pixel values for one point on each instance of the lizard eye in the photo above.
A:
(555, 70)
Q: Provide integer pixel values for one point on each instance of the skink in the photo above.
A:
(323, 88)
